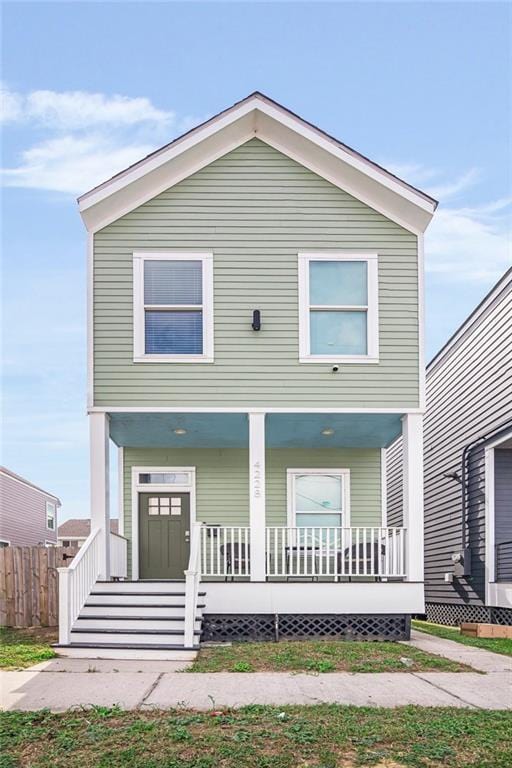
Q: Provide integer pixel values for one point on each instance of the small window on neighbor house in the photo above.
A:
(173, 307)
(50, 515)
(65, 543)
(4, 543)
(338, 307)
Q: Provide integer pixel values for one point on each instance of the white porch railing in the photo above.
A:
(118, 556)
(76, 582)
(225, 551)
(335, 552)
(192, 578)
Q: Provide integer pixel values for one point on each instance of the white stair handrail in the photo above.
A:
(192, 578)
(76, 582)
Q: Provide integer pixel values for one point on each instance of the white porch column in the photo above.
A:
(412, 435)
(257, 494)
(100, 490)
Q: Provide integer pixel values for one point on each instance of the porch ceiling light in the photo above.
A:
(180, 431)
(328, 431)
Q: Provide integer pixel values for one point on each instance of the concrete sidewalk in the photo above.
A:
(63, 683)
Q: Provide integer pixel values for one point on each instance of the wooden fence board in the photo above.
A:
(29, 585)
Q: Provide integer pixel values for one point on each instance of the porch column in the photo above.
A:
(100, 490)
(257, 494)
(412, 440)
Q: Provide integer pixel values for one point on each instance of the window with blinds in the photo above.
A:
(173, 307)
(338, 307)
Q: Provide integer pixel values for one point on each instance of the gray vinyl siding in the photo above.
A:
(469, 394)
(222, 480)
(23, 514)
(255, 209)
(503, 495)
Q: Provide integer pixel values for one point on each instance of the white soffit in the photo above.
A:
(257, 117)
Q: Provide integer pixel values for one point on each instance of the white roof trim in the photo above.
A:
(257, 117)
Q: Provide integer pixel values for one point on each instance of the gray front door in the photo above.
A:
(164, 535)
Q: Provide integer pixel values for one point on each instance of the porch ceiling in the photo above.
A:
(231, 430)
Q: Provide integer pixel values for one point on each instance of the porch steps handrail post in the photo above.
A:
(257, 511)
(192, 578)
(99, 435)
(76, 582)
(412, 434)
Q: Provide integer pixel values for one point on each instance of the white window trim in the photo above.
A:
(51, 504)
(139, 354)
(291, 475)
(138, 487)
(372, 311)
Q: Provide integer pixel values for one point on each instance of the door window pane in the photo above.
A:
(174, 332)
(338, 283)
(318, 493)
(341, 333)
(173, 282)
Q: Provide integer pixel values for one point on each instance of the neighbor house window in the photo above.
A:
(318, 498)
(173, 307)
(4, 543)
(338, 306)
(50, 515)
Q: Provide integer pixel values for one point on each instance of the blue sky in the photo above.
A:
(424, 89)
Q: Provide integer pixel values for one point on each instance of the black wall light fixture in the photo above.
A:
(256, 320)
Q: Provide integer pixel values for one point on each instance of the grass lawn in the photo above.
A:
(323, 736)
(320, 656)
(20, 648)
(498, 645)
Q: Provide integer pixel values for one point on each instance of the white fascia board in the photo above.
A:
(280, 129)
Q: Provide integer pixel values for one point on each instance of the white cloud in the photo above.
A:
(82, 138)
(463, 243)
(73, 164)
(79, 110)
(468, 244)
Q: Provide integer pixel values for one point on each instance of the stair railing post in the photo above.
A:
(64, 605)
(192, 578)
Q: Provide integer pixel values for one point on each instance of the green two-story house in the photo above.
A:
(255, 333)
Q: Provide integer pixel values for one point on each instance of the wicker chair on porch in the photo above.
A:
(237, 559)
(370, 559)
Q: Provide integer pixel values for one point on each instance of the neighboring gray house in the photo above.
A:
(73, 533)
(28, 514)
(468, 469)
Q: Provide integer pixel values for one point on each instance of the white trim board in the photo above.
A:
(164, 488)
(494, 591)
(244, 409)
(258, 116)
(318, 597)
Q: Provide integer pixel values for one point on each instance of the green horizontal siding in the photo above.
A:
(255, 209)
(222, 480)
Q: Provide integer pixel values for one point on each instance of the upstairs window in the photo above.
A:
(51, 512)
(173, 307)
(338, 306)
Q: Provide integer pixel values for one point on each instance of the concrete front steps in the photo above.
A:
(134, 620)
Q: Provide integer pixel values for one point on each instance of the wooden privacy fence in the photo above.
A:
(29, 585)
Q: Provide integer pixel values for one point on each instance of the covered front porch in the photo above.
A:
(268, 496)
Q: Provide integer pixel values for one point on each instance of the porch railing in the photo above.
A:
(76, 582)
(335, 552)
(118, 556)
(225, 551)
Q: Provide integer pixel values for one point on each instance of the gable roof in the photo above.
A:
(261, 117)
(77, 528)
